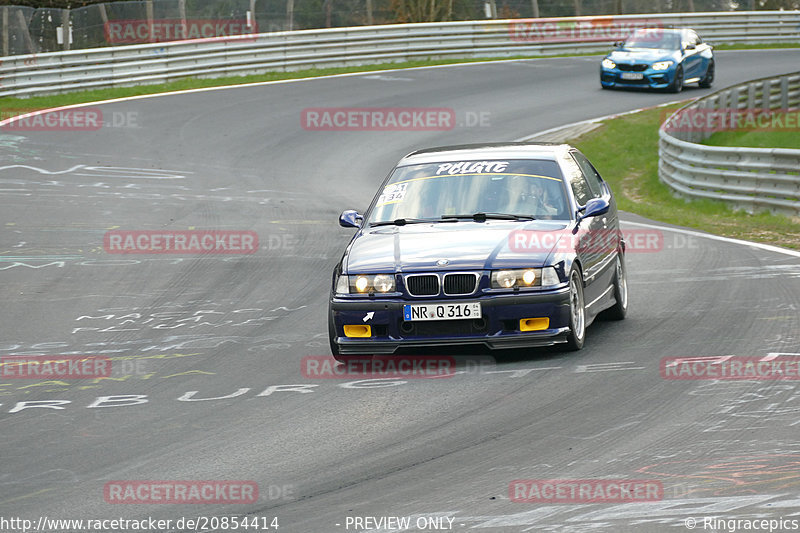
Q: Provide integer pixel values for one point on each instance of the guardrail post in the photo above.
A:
(148, 7)
(785, 92)
(766, 92)
(5, 31)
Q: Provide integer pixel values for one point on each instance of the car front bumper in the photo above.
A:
(498, 327)
(651, 79)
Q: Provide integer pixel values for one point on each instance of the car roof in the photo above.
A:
(509, 150)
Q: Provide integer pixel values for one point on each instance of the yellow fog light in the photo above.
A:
(533, 324)
(358, 330)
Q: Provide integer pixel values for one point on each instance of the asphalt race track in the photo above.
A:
(206, 350)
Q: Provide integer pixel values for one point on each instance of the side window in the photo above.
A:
(580, 188)
(592, 177)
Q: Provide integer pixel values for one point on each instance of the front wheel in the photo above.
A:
(577, 312)
(677, 83)
(708, 79)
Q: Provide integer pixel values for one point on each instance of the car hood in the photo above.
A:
(466, 245)
(642, 55)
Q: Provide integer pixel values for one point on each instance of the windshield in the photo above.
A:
(654, 38)
(532, 188)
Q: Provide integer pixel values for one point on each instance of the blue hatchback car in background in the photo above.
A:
(659, 58)
(504, 245)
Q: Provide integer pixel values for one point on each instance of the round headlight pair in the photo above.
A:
(379, 283)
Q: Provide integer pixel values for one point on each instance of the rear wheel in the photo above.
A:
(708, 79)
(577, 312)
(677, 82)
(620, 308)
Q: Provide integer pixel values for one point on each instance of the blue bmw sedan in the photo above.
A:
(505, 245)
(657, 58)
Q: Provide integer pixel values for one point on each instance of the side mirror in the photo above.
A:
(595, 207)
(350, 219)
(691, 46)
(618, 44)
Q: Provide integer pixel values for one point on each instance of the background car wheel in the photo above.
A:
(677, 82)
(620, 308)
(708, 79)
(577, 312)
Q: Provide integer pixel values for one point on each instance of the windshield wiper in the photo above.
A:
(404, 221)
(482, 217)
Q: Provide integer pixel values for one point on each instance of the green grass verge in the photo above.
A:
(625, 151)
(781, 131)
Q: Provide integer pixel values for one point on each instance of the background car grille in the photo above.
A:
(459, 283)
(632, 68)
(425, 285)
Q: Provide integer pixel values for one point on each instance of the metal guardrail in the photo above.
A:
(27, 75)
(750, 178)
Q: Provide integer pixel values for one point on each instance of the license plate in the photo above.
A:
(455, 311)
(632, 76)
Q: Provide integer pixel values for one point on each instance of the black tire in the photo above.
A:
(620, 308)
(677, 83)
(577, 312)
(708, 79)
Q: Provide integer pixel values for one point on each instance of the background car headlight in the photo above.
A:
(367, 284)
(662, 65)
(607, 63)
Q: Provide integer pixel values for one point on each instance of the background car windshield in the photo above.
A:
(519, 187)
(654, 38)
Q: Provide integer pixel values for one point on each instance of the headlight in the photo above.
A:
(607, 63)
(662, 65)
(525, 277)
(504, 279)
(367, 284)
(383, 283)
